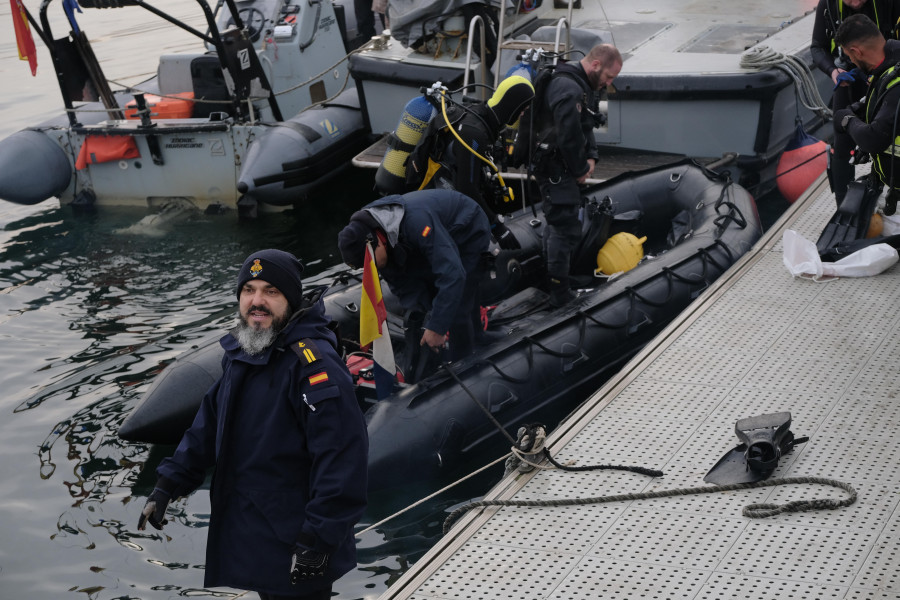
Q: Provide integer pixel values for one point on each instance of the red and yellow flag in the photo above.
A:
(24, 41)
(373, 327)
(372, 313)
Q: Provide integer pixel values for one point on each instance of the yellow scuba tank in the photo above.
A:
(390, 178)
(622, 252)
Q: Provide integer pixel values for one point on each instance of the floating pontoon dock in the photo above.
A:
(758, 341)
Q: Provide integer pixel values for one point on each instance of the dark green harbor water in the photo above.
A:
(92, 306)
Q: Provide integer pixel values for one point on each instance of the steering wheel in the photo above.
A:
(253, 19)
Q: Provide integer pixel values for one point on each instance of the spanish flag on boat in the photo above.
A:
(373, 327)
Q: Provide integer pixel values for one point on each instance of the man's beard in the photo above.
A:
(255, 340)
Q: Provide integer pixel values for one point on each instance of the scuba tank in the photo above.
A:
(527, 68)
(390, 178)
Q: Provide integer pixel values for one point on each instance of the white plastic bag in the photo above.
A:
(802, 259)
(800, 255)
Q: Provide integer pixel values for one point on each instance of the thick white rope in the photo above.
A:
(763, 57)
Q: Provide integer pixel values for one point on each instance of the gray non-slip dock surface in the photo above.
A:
(758, 342)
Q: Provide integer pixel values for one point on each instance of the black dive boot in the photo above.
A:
(842, 173)
(560, 293)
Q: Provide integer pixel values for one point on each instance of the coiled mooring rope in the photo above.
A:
(763, 57)
(752, 511)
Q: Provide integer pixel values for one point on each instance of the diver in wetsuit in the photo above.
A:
(463, 151)
(849, 86)
(872, 124)
(567, 154)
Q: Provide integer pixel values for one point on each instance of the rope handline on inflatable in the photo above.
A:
(487, 413)
(634, 297)
(751, 511)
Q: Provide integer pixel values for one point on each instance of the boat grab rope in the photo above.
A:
(707, 261)
(751, 511)
(483, 408)
(734, 214)
(763, 57)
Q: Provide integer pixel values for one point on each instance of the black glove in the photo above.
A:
(155, 509)
(504, 237)
(306, 564)
(839, 116)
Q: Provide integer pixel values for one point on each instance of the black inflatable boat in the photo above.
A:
(544, 361)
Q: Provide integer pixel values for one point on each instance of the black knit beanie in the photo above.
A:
(281, 269)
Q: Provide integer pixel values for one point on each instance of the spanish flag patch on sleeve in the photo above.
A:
(426, 231)
(320, 377)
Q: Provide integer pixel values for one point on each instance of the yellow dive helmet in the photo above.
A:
(621, 252)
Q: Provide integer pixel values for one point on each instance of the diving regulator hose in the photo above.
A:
(507, 191)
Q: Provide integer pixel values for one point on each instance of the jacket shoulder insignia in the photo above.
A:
(307, 350)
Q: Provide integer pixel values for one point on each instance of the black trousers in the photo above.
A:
(563, 230)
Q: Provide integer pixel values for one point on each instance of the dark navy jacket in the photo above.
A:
(289, 444)
(437, 238)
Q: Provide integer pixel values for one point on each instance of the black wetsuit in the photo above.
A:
(565, 128)
(829, 15)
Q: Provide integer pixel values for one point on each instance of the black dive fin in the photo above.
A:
(851, 221)
(731, 468)
(764, 440)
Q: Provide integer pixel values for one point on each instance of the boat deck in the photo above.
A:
(758, 341)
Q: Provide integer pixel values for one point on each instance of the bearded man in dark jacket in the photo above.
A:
(567, 154)
(288, 441)
(872, 123)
